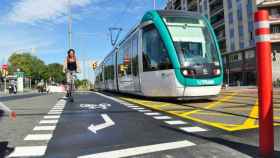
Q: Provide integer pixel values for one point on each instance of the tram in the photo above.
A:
(168, 54)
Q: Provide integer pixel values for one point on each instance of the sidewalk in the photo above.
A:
(3, 94)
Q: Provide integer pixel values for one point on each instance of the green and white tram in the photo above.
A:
(169, 54)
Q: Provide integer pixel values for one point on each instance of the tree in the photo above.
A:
(55, 72)
(29, 64)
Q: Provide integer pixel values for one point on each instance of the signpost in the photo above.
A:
(264, 65)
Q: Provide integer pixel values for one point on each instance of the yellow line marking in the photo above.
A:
(248, 124)
(211, 105)
(214, 114)
(253, 114)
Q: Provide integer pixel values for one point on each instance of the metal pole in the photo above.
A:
(154, 4)
(69, 24)
(264, 65)
(5, 85)
(228, 76)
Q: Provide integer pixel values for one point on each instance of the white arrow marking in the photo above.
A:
(108, 122)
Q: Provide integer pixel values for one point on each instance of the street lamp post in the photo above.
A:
(69, 24)
(154, 4)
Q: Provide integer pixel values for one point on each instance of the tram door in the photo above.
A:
(135, 63)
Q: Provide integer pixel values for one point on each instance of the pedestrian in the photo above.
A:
(5, 111)
(71, 67)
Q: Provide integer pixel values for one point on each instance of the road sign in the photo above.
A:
(5, 66)
(19, 74)
(108, 122)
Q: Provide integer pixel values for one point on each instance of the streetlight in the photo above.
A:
(69, 24)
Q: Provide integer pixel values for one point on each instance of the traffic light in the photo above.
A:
(94, 66)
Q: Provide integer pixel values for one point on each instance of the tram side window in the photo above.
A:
(135, 55)
(155, 56)
(109, 69)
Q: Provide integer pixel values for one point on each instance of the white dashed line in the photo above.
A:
(29, 151)
(175, 122)
(152, 113)
(144, 110)
(162, 117)
(48, 121)
(51, 117)
(38, 137)
(193, 129)
(133, 106)
(140, 150)
(138, 108)
(44, 128)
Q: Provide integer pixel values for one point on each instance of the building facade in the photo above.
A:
(233, 23)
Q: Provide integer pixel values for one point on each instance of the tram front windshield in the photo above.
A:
(193, 42)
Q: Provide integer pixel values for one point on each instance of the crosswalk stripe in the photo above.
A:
(51, 117)
(48, 121)
(38, 137)
(144, 110)
(44, 128)
(162, 117)
(152, 113)
(193, 129)
(29, 151)
(175, 122)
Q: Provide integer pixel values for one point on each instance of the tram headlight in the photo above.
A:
(185, 72)
(216, 71)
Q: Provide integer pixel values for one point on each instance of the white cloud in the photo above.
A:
(34, 11)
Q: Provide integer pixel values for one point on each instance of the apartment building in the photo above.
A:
(233, 23)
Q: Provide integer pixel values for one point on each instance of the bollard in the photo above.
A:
(264, 69)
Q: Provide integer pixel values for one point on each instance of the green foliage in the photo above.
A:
(34, 67)
(55, 72)
(29, 64)
(82, 84)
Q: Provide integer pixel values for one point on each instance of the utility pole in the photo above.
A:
(69, 24)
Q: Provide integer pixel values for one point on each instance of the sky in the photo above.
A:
(40, 26)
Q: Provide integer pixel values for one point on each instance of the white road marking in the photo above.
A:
(162, 117)
(175, 122)
(38, 137)
(44, 128)
(29, 151)
(144, 110)
(58, 106)
(193, 129)
(138, 108)
(51, 117)
(108, 122)
(152, 113)
(56, 110)
(54, 113)
(48, 121)
(140, 150)
(133, 106)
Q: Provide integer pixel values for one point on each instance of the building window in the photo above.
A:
(235, 57)
(155, 55)
(249, 54)
(229, 4)
(205, 6)
(232, 46)
(231, 32)
(239, 12)
(230, 18)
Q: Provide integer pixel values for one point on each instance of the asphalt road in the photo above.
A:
(97, 125)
